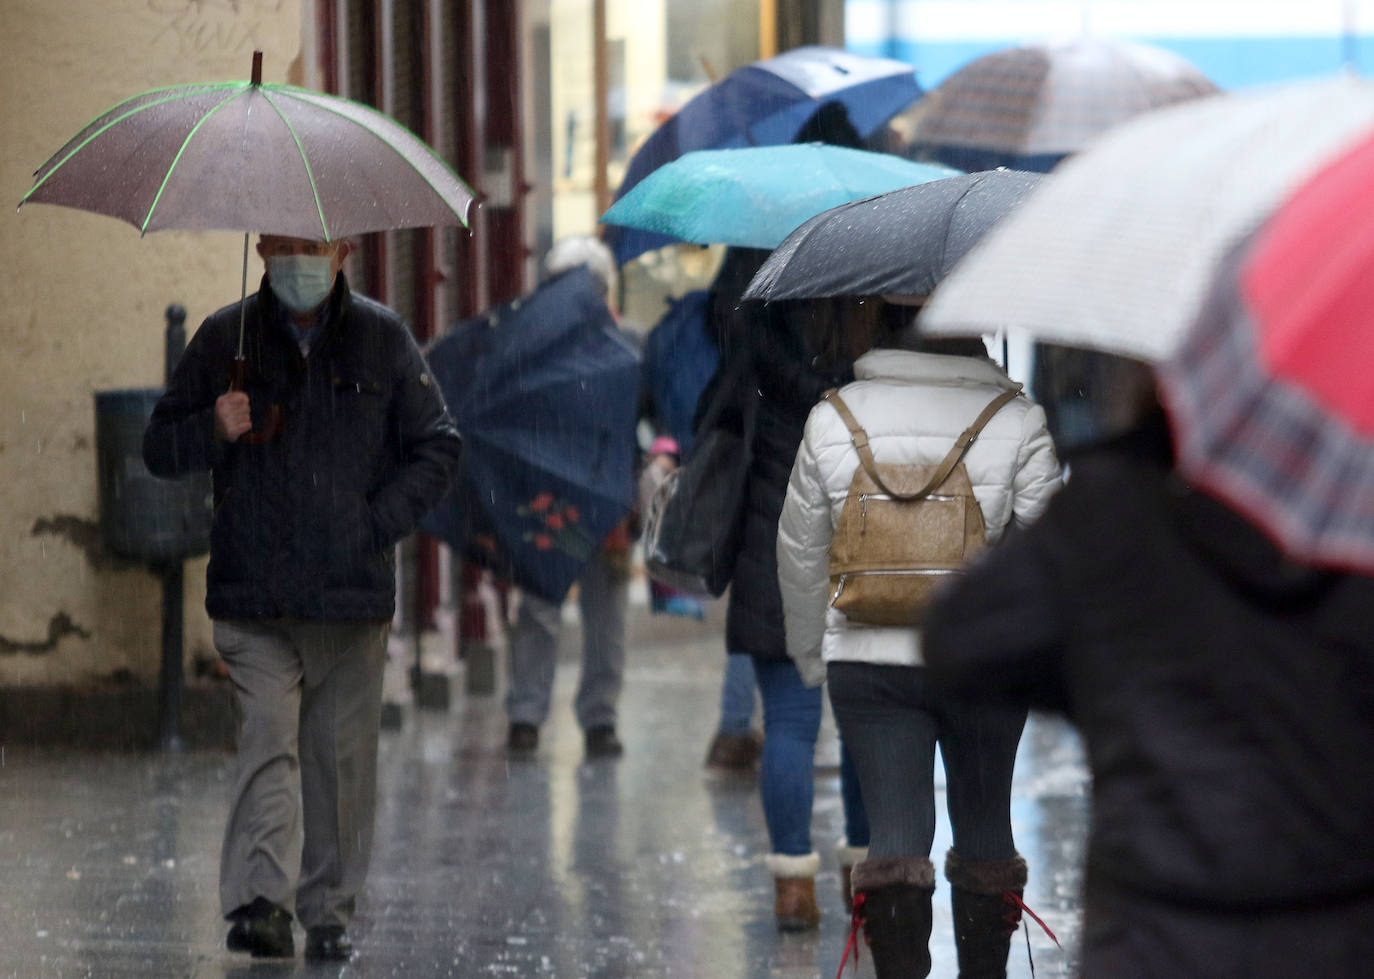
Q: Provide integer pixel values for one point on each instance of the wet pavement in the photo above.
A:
(645, 866)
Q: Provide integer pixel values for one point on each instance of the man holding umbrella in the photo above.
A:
(354, 446)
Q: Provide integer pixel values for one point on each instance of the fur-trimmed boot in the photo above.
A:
(985, 918)
(847, 856)
(893, 895)
(794, 879)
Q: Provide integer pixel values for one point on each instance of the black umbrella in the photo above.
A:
(896, 244)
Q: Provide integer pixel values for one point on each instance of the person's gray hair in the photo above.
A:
(569, 253)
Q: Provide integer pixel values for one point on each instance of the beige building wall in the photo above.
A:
(82, 311)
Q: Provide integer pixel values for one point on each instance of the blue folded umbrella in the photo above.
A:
(679, 359)
(766, 104)
(545, 391)
(755, 197)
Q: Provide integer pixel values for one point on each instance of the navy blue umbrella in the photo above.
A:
(679, 358)
(545, 391)
(768, 103)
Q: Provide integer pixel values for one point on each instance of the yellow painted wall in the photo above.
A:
(81, 310)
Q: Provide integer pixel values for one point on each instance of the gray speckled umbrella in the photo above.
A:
(896, 244)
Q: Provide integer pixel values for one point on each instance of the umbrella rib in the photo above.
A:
(239, 87)
(949, 221)
(305, 162)
(179, 92)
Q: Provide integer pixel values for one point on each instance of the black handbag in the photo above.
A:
(692, 528)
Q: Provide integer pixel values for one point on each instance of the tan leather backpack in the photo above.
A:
(905, 529)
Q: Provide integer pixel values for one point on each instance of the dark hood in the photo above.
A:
(1239, 550)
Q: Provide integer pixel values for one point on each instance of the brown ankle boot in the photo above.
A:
(735, 752)
(794, 880)
(847, 856)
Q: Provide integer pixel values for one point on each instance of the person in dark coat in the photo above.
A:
(794, 359)
(353, 446)
(736, 745)
(1226, 697)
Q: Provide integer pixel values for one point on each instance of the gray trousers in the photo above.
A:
(890, 722)
(305, 793)
(603, 593)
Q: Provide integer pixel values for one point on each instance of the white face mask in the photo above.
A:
(301, 282)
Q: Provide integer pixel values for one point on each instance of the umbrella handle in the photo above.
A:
(238, 375)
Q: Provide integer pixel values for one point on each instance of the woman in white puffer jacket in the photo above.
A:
(914, 403)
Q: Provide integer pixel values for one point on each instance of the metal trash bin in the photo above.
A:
(143, 517)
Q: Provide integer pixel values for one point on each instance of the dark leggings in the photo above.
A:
(890, 723)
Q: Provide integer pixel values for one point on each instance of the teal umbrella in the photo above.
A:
(755, 197)
(770, 103)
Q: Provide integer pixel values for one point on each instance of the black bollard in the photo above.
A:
(173, 676)
(173, 671)
(176, 340)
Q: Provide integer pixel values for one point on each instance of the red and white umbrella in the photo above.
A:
(1271, 393)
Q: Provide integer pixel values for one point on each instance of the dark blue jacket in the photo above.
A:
(304, 524)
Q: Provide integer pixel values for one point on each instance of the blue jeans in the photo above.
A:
(791, 723)
(737, 694)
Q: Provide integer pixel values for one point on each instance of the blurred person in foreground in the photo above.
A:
(301, 581)
(914, 396)
(1225, 693)
(603, 590)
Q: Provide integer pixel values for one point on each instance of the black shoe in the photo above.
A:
(523, 738)
(601, 742)
(262, 929)
(328, 943)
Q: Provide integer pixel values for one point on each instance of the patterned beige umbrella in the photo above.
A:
(1028, 107)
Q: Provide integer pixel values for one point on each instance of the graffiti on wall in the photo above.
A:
(217, 26)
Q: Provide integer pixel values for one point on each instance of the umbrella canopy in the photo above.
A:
(679, 358)
(1027, 107)
(765, 104)
(544, 390)
(896, 244)
(244, 156)
(1271, 393)
(1116, 249)
(755, 197)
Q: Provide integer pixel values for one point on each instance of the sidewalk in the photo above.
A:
(646, 866)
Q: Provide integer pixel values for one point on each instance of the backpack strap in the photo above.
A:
(951, 459)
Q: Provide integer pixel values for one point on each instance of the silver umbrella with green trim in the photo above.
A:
(244, 156)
